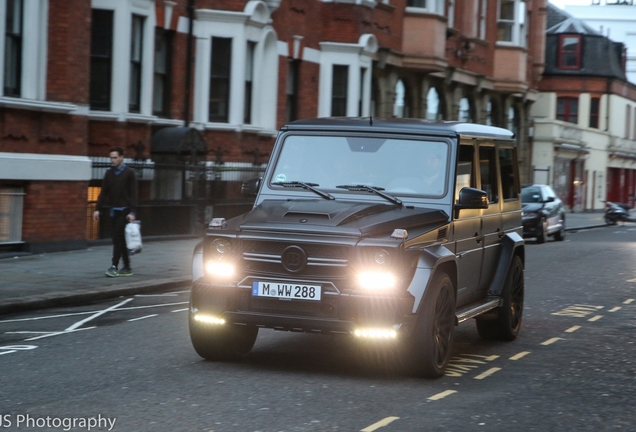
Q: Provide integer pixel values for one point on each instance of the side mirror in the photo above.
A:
(550, 199)
(250, 187)
(471, 198)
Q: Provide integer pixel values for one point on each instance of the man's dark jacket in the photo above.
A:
(119, 190)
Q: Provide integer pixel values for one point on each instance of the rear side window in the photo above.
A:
(488, 171)
(507, 158)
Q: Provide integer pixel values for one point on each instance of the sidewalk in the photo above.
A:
(66, 278)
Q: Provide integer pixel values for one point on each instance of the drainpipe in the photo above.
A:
(188, 66)
(607, 111)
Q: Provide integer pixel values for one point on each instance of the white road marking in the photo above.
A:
(572, 329)
(90, 312)
(156, 295)
(100, 313)
(59, 333)
(380, 424)
(628, 301)
(596, 318)
(143, 317)
(180, 310)
(617, 308)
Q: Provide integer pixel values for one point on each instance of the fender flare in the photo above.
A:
(197, 262)
(512, 244)
(428, 263)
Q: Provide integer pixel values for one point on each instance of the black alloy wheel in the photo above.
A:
(506, 325)
(433, 337)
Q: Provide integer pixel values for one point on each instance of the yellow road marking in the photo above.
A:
(615, 309)
(520, 355)
(442, 395)
(628, 301)
(487, 373)
(379, 424)
(550, 341)
(596, 318)
(572, 329)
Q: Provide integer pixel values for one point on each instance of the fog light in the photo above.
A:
(376, 333)
(220, 269)
(376, 280)
(208, 319)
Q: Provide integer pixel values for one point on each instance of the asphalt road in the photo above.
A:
(128, 363)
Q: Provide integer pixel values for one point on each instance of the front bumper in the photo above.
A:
(335, 313)
(532, 227)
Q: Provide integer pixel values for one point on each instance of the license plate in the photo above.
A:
(286, 290)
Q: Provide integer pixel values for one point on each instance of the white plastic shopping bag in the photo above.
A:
(133, 237)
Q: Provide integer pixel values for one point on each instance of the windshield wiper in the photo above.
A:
(305, 185)
(375, 190)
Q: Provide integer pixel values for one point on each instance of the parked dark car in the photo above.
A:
(387, 232)
(543, 213)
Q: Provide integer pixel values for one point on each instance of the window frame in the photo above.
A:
(137, 25)
(516, 24)
(595, 106)
(15, 36)
(105, 60)
(568, 113)
(576, 53)
(163, 38)
(218, 77)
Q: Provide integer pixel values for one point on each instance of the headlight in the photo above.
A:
(220, 269)
(221, 246)
(529, 215)
(376, 280)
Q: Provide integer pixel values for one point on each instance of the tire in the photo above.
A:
(225, 342)
(506, 325)
(432, 340)
(544, 231)
(560, 235)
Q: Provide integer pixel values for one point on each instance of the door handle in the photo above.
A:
(500, 233)
(478, 238)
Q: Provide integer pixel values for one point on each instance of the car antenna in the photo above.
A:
(370, 120)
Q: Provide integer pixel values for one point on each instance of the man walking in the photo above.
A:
(119, 191)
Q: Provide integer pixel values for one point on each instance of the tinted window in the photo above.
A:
(506, 168)
(488, 170)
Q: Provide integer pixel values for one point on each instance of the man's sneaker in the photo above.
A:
(125, 272)
(112, 272)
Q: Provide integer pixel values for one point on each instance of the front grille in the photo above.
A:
(323, 260)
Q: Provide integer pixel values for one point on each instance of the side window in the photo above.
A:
(507, 173)
(465, 172)
(488, 171)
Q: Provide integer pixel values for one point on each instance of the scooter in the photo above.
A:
(617, 212)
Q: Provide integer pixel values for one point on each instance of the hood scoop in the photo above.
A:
(311, 215)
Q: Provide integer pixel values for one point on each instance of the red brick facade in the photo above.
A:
(408, 49)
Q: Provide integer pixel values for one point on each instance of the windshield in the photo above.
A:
(399, 166)
(531, 195)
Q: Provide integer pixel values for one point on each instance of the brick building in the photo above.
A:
(80, 77)
(584, 141)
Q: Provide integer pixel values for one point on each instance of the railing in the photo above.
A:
(178, 198)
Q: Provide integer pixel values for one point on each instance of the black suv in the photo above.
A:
(389, 231)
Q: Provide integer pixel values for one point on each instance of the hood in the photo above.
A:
(337, 216)
(532, 207)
